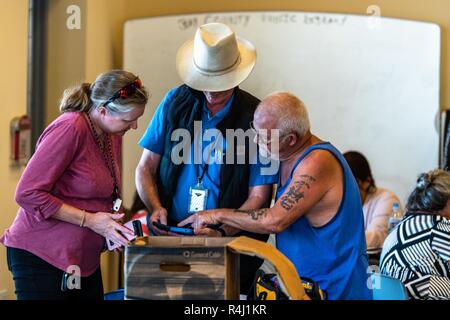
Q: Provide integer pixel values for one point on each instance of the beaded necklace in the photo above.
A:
(108, 157)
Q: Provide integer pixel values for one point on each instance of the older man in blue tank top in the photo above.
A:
(317, 216)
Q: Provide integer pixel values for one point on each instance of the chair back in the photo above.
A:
(114, 295)
(387, 288)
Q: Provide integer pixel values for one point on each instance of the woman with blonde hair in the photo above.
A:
(417, 251)
(69, 189)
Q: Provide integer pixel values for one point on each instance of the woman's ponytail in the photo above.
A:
(76, 99)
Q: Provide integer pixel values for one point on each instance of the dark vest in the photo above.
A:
(185, 108)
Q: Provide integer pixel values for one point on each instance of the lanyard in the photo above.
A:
(108, 158)
(200, 178)
(205, 166)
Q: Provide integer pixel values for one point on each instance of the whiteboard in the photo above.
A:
(369, 84)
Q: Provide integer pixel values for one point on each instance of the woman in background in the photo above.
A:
(68, 190)
(417, 251)
(377, 202)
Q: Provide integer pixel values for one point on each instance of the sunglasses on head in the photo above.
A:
(126, 91)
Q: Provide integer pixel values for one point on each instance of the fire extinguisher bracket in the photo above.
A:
(20, 139)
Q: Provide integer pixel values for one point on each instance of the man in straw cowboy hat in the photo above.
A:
(173, 184)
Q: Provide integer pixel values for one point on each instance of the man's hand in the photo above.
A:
(203, 219)
(207, 232)
(158, 215)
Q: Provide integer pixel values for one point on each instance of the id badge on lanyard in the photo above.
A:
(198, 195)
(117, 202)
(198, 198)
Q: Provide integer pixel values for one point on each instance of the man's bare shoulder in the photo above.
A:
(318, 163)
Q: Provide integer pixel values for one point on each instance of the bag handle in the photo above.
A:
(284, 267)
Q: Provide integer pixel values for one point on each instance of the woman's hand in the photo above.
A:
(106, 225)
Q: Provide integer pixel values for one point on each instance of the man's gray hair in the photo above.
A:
(289, 110)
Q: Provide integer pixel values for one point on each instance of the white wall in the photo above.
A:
(367, 87)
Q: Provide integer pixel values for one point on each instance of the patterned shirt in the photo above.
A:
(417, 252)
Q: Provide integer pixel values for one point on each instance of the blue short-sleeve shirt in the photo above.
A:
(153, 140)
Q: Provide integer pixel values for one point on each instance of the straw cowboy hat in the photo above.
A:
(215, 60)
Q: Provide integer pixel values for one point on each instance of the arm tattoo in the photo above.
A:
(255, 214)
(295, 193)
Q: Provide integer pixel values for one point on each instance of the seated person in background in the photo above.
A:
(377, 202)
(417, 251)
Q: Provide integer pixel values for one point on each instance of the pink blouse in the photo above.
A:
(377, 209)
(67, 167)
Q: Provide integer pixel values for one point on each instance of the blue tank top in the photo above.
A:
(333, 255)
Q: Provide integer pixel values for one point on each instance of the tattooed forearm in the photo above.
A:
(254, 214)
(295, 192)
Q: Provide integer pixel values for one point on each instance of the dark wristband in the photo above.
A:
(222, 232)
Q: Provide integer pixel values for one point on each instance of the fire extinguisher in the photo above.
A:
(20, 131)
